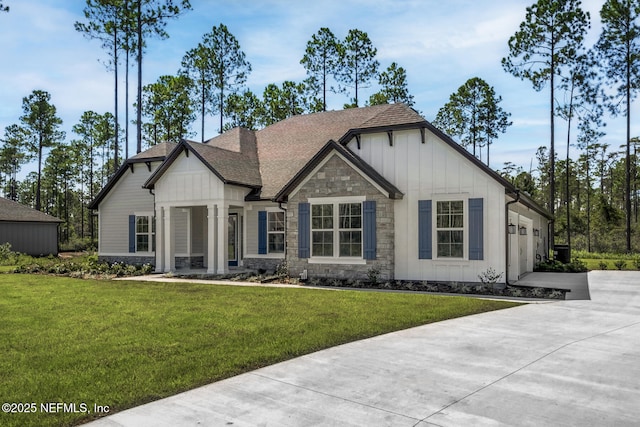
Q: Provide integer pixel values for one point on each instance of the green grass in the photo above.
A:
(121, 344)
(593, 260)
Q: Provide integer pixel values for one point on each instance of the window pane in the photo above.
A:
(142, 242)
(450, 244)
(351, 215)
(322, 217)
(322, 243)
(276, 221)
(457, 221)
(351, 243)
(142, 224)
(443, 221)
(276, 243)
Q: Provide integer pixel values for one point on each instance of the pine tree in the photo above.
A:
(618, 49)
(549, 37)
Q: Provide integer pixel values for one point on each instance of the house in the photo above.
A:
(335, 193)
(27, 230)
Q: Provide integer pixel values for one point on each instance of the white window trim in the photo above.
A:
(336, 259)
(465, 226)
(283, 232)
(150, 216)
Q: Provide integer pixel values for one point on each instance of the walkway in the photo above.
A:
(570, 363)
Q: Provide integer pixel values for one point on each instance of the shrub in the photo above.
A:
(603, 265)
(282, 269)
(576, 266)
(6, 254)
(636, 263)
(489, 277)
(556, 294)
(373, 275)
(620, 264)
(538, 292)
(551, 265)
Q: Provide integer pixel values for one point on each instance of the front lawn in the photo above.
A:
(120, 344)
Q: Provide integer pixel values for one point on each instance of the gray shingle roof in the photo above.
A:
(160, 150)
(15, 212)
(286, 147)
(232, 167)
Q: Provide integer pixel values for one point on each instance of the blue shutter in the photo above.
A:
(132, 233)
(424, 229)
(262, 232)
(304, 234)
(369, 229)
(476, 234)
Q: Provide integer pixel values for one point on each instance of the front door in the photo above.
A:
(234, 233)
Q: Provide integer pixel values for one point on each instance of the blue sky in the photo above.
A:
(441, 44)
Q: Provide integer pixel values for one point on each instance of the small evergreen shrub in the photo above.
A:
(620, 264)
(373, 275)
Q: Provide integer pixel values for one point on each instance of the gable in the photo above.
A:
(336, 176)
(186, 178)
(352, 165)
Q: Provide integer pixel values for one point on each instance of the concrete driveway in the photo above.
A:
(569, 363)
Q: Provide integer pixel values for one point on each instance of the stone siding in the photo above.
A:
(267, 264)
(338, 179)
(189, 262)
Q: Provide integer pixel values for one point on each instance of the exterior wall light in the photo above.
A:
(536, 232)
(523, 231)
(512, 228)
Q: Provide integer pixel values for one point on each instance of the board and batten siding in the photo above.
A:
(188, 182)
(435, 171)
(126, 198)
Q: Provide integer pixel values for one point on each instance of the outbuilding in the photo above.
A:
(27, 230)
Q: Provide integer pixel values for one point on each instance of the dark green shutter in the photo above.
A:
(424, 229)
(476, 232)
(132, 233)
(262, 232)
(304, 233)
(369, 229)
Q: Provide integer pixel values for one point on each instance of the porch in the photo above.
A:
(199, 238)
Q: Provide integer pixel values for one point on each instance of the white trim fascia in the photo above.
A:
(339, 199)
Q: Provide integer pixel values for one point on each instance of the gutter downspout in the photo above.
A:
(155, 252)
(285, 229)
(506, 239)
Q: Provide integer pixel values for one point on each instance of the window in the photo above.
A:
(350, 221)
(145, 234)
(322, 230)
(336, 228)
(450, 229)
(275, 232)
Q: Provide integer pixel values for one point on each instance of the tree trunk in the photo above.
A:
(38, 205)
(139, 94)
(115, 69)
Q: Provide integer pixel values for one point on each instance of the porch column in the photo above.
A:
(211, 239)
(169, 242)
(223, 239)
(159, 239)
